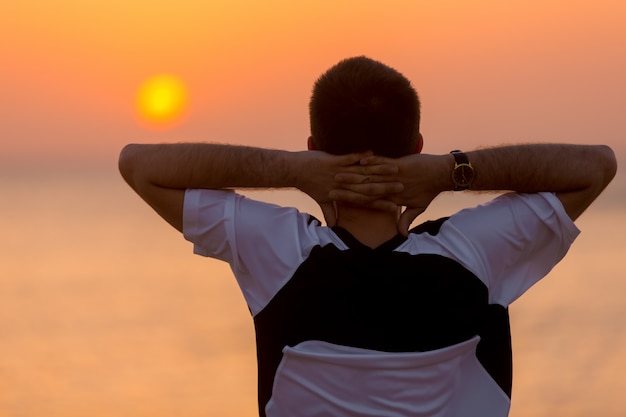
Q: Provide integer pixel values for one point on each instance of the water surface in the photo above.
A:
(104, 311)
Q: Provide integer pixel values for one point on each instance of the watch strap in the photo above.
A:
(460, 157)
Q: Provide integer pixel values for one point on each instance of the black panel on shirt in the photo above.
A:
(381, 300)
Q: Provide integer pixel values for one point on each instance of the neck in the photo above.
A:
(370, 227)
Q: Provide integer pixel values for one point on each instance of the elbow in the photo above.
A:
(608, 164)
(127, 163)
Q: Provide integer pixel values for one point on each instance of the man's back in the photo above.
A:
(331, 312)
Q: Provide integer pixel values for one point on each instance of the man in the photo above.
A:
(364, 317)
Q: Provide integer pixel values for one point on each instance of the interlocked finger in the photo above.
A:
(361, 178)
(380, 169)
(373, 189)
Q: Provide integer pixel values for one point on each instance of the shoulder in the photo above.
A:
(518, 213)
(226, 215)
(502, 207)
(519, 236)
(264, 243)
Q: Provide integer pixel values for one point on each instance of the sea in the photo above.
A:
(105, 311)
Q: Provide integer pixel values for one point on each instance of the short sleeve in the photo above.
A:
(206, 222)
(263, 243)
(512, 242)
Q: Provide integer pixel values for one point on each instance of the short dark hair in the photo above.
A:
(361, 104)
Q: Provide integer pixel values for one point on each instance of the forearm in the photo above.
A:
(542, 167)
(161, 173)
(203, 165)
(576, 173)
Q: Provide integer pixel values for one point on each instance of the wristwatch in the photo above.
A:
(463, 172)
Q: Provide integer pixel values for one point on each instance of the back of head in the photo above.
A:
(361, 104)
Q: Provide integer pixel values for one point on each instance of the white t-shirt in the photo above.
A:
(508, 244)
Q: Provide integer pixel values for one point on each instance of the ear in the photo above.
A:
(310, 144)
(419, 144)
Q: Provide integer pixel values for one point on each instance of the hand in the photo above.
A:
(422, 178)
(316, 172)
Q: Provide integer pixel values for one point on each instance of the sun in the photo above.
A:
(161, 100)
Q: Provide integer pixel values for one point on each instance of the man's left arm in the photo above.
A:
(577, 174)
(161, 173)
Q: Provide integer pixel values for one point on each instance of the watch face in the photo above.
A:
(463, 175)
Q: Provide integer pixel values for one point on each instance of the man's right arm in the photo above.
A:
(576, 173)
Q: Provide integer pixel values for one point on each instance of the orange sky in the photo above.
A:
(488, 71)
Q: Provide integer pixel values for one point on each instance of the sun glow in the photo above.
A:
(162, 100)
